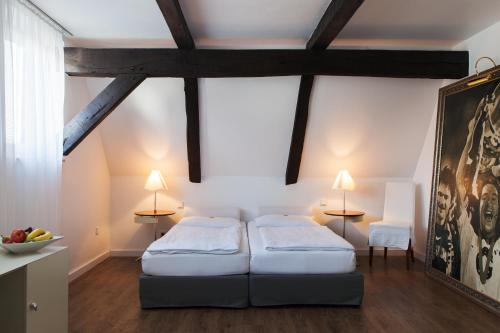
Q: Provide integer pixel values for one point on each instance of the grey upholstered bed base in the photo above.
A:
(235, 291)
(306, 289)
(227, 291)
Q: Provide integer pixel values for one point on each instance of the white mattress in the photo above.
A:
(296, 262)
(199, 264)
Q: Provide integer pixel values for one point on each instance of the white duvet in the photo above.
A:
(302, 239)
(197, 239)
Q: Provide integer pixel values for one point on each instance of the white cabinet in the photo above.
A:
(34, 291)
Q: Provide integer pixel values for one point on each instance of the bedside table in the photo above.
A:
(151, 217)
(344, 214)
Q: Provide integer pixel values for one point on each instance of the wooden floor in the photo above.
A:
(106, 300)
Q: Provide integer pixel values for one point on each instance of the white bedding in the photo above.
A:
(316, 238)
(263, 261)
(195, 264)
(198, 239)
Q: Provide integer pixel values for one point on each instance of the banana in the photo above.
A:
(35, 233)
(46, 236)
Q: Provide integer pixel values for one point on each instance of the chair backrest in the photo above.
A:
(399, 204)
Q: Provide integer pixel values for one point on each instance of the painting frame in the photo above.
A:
(482, 299)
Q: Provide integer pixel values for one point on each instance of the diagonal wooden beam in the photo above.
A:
(336, 16)
(258, 63)
(176, 22)
(98, 109)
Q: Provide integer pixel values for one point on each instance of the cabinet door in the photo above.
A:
(47, 294)
(13, 301)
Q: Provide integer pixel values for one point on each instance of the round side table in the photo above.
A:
(155, 214)
(344, 214)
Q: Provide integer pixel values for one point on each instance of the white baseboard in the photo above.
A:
(126, 253)
(419, 255)
(361, 252)
(380, 252)
(390, 252)
(80, 270)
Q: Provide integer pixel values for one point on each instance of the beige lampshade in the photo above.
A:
(155, 182)
(344, 181)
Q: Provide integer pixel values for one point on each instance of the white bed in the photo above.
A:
(263, 261)
(284, 277)
(194, 264)
(198, 279)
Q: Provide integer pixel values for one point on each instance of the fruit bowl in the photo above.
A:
(29, 246)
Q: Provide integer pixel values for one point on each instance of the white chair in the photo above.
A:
(396, 228)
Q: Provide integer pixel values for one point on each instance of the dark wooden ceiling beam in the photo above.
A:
(299, 129)
(336, 16)
(98, 109)
(193, 130)
(176, 22)
(258, 63)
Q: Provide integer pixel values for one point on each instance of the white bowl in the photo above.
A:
(29, 246)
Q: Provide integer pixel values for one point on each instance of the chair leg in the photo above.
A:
(371, 255)
(408, 255)
(385, 253)
(412, 255)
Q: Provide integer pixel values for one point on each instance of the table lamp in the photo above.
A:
(155, 183)
(344, 182)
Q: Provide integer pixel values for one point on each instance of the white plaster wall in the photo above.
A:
(248, 193)
(484, 43)
(375, 127)
(423, 182)
(85, 189)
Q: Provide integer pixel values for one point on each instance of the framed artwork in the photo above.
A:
(463, 245)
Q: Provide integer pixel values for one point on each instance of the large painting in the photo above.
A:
(463, 247)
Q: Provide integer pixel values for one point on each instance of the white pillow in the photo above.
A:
(285, 221)
(210, 222)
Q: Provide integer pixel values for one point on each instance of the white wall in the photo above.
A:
(375, 127)
(484, 43)
(423, 181)
(85, 190)
(248, 193)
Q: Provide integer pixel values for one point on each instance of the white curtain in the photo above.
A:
(31, 119)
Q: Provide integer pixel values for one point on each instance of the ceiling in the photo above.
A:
(264, 23)
(252, 118)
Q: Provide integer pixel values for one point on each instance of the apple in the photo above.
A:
(18, 236)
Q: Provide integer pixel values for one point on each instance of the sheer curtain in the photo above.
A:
(31, 119)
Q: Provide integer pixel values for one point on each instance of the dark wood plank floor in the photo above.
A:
(106, 300)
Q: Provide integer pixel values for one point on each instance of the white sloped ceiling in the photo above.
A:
(373, 126)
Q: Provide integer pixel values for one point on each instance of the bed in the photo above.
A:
(301, 277)
(197, 279)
